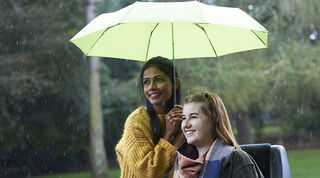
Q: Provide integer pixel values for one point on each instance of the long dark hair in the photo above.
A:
(166, 66)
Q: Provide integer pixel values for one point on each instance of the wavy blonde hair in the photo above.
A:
(213, 107)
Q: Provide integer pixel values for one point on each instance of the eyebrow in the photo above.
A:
(154, 76)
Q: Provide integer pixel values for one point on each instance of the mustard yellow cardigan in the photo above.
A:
(137, 154)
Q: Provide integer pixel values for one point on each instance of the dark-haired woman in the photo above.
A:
(150, 138)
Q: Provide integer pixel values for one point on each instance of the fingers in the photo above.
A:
(176, 113)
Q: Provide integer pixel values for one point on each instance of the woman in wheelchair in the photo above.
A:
(211, 149)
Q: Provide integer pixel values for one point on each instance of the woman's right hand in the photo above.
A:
(173, 122)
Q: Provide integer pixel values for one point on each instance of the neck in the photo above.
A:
(203, 149)
(160, 109)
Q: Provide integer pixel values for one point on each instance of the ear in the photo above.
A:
(177, 83)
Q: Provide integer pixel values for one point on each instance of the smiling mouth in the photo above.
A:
(189, 133)
(154, 95)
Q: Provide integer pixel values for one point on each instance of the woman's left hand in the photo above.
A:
(173, 122)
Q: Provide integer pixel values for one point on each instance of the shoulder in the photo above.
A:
(138, 117)
(241, 158)
(139, 112)
(241, 165)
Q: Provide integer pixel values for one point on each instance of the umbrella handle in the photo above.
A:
(174, 83)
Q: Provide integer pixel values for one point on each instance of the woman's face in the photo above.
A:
(196, 126)
(157, 88)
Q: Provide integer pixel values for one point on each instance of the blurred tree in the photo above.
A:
(119, 99)
(260, 86)
(98, 157)
(43, 81)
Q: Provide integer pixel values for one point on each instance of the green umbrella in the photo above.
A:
(174, 30)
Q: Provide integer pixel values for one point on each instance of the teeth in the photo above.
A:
(189, 132)
(153, 95)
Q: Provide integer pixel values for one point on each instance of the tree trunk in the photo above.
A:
(98, 156)
(244, 135)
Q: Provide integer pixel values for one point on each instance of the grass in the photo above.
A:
(113, 173)
(303, 163)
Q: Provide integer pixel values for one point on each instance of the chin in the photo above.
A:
(190, 142)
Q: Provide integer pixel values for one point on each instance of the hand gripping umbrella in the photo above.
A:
(175, 30)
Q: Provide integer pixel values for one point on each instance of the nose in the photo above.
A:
(152, 85)
(185, 124)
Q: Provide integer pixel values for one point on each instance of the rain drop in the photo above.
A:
(285, 83)
(312, 36)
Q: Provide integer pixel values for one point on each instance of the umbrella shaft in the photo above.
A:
(174, 68)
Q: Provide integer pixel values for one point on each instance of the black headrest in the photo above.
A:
(261, 154)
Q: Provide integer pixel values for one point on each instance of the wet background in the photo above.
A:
(272, 95)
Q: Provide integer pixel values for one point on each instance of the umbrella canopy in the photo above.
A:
(174, 30)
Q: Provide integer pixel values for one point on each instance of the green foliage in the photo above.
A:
(119, 99)
(296, 90)
(43, 106)
(277, 84)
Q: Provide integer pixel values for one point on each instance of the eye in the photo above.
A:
(146, 82)
(184, 117)
(159, 79)
(194, 117)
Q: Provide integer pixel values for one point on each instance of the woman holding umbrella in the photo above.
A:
(151, 133)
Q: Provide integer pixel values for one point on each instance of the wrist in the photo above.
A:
(167, 137)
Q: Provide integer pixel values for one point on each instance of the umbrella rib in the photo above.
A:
(259, 38)
(150, 40)
(205, 32)
(97, 40)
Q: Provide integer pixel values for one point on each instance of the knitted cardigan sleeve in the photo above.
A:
(138, 156)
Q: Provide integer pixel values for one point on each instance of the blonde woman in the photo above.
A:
(211, 149)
